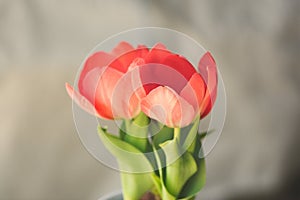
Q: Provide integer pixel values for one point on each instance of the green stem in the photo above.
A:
(135, 185)
(135, 134)
(127, 123)
(177, 134)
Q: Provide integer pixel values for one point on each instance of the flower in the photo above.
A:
(162, 84)
(175, 92)
(98, 79)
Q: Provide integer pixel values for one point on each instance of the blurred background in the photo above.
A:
(256, 45)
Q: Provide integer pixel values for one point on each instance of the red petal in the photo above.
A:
(156, 74)
(157, 54)
(104, 92)
(208, 70)
(166, 69)
(90, 83)
(122, 62)
(98, 60)
(194, 91)
(181, 64)
(164, 105)
(160, 46)
(121, 48)
(143, 51)
(81, 100)
(207, 61)
(126, 97)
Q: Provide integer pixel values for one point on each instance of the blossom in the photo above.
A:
(175, 92)
(163, 85)
(98, 80)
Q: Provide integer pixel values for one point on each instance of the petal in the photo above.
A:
(97, 60)
(208, 70)
(156, 74)
(173, 71)
(194, 91)
(157, 54)
(104, 92)
(180, 64)
(144, 51)
(159, 46)
(126, 97)
(136, 82)
(164, 105)
(90, 83)
(121, 48)
(81, 100)
(123, 62)
(117, 95)
(136, 63)
(207, 61)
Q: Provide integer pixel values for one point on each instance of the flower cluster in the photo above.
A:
(163, 85)
(141, 84)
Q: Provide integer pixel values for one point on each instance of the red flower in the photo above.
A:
(164, 85)
(175, 92)
(102, 72)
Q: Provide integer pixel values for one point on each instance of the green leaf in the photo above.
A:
(177, 172)
(157, 183)
(190, 139)
(164, 134)
(197, 181)
(141, 120)
(135, 132)
(205, 133)
(136, 185)
(165, 195)
(195, 146)
(180, 167)
(130, 160)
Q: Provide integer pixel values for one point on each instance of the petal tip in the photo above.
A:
(69, 89)
(207, 59)
(159, 46)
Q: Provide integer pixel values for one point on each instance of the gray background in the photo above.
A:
(256, 44)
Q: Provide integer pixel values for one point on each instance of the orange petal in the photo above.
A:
(81, 100)
(164, 105)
